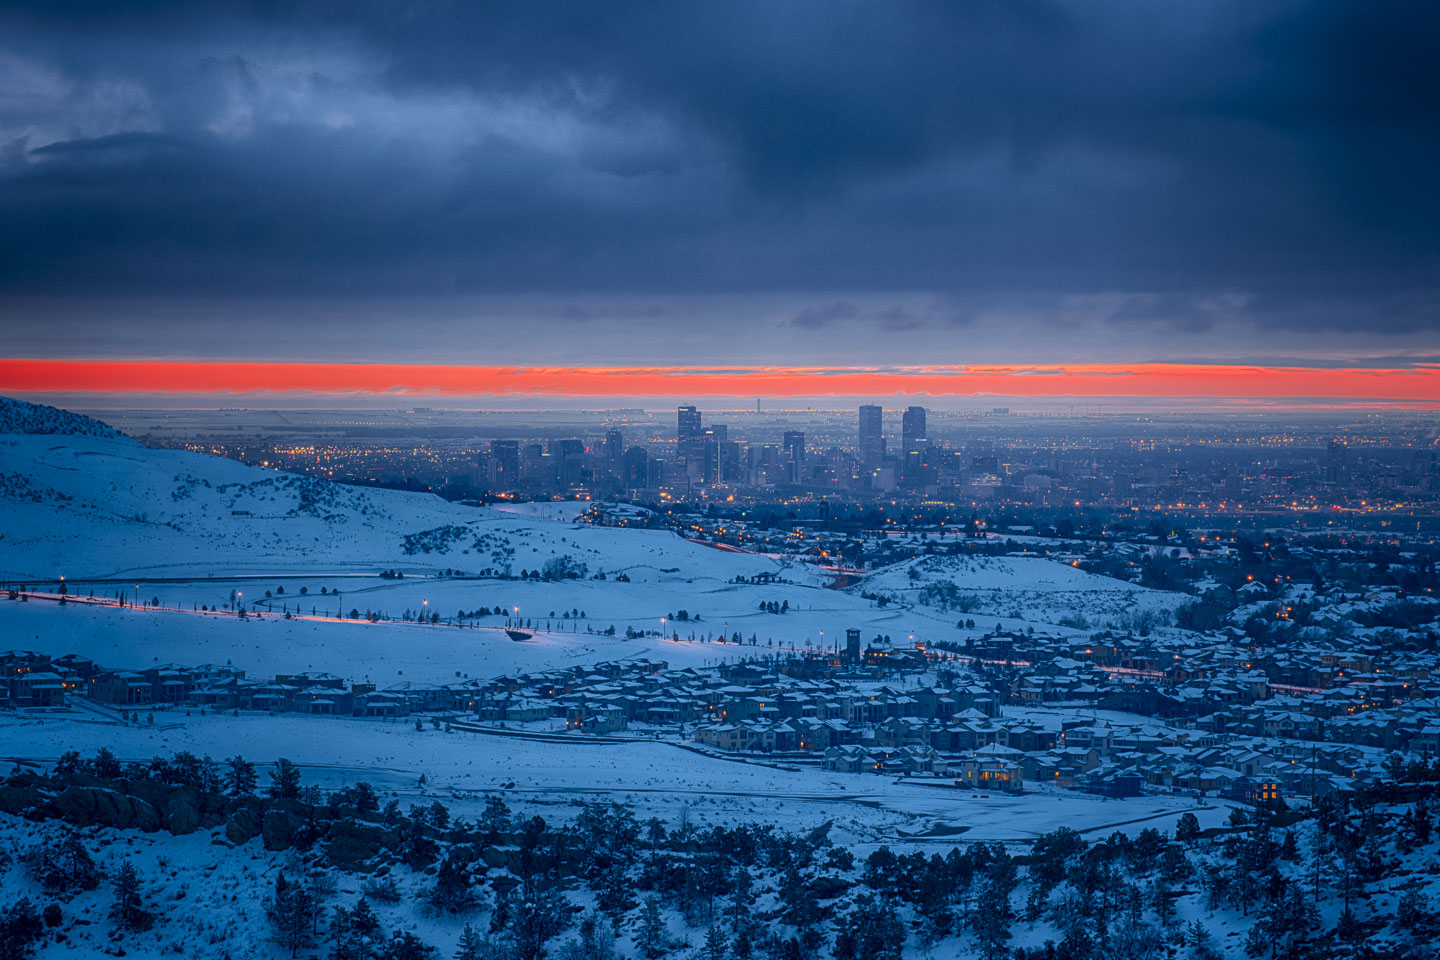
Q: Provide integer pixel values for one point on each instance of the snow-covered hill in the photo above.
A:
(80, 500)
(17, 416)
(1021, 588)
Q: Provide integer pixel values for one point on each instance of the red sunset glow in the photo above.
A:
(1417, 386)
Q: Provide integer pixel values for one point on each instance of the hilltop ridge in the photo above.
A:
(20, 417)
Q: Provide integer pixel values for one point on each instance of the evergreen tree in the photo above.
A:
(1257, 941)
(715, 944)
(470, 945)
(365, 799)
(452, 892)
(406, 946)
(1290, 848)
(364, 920)
(738, 912)
(501, 912)
(538, 919)
(1201, 944)
(494, 820)
(991, 920)
(651, 937)
(240, 777)
(284, 780)
(20, 929)
(1187, 828)
(871, 931)
(128, 910)
(290, 912)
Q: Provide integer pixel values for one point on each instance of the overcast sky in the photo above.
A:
(729, 182)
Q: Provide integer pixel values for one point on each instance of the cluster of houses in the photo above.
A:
(34, 680)
(1218, 718)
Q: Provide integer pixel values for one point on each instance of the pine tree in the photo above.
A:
(651, 937)
(406, 946)
(470, 945)
(240, 777)
(537, 920)
(1201, 944)
(365, 799)
(1258, 941)
(715, 943)
(290, 913)
(128, 911)
(452, 892)
(364, 921)
(991, 920)
(285, 780)
(740, 900)
(1290, 848)
(20, 928)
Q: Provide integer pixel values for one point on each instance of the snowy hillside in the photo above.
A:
(1021, 588)
(83, 501)
(17, 416)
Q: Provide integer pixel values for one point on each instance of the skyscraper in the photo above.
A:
(688, 427)
(794, 446)
(872, 439)
(614, 450)
(912, 429)
(637, 467)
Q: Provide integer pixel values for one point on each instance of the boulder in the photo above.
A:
(243, 826)
(353, 846)
(280, 825)
(182, 814)
(17, 798)
(495, 858)
(94, 806)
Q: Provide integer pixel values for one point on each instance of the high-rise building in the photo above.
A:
(872, 437)
(794, 445)
(912, 429)
(505, 464)
(614, 450)
(637, 467)
(688, 427)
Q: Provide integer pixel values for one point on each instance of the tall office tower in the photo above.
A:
(732, 460)
(637, 467)
(688, 426)
(505, 464)
(872, 439)
(912, 429)
(614, 450)
(795, 445)
(1337, 462)
(568, 458)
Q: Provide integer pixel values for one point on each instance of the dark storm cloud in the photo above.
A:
(1194, 162)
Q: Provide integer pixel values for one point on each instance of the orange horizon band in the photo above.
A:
(1417, 385)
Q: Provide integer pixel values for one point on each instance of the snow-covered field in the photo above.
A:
(382, 653)
(659, 779)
